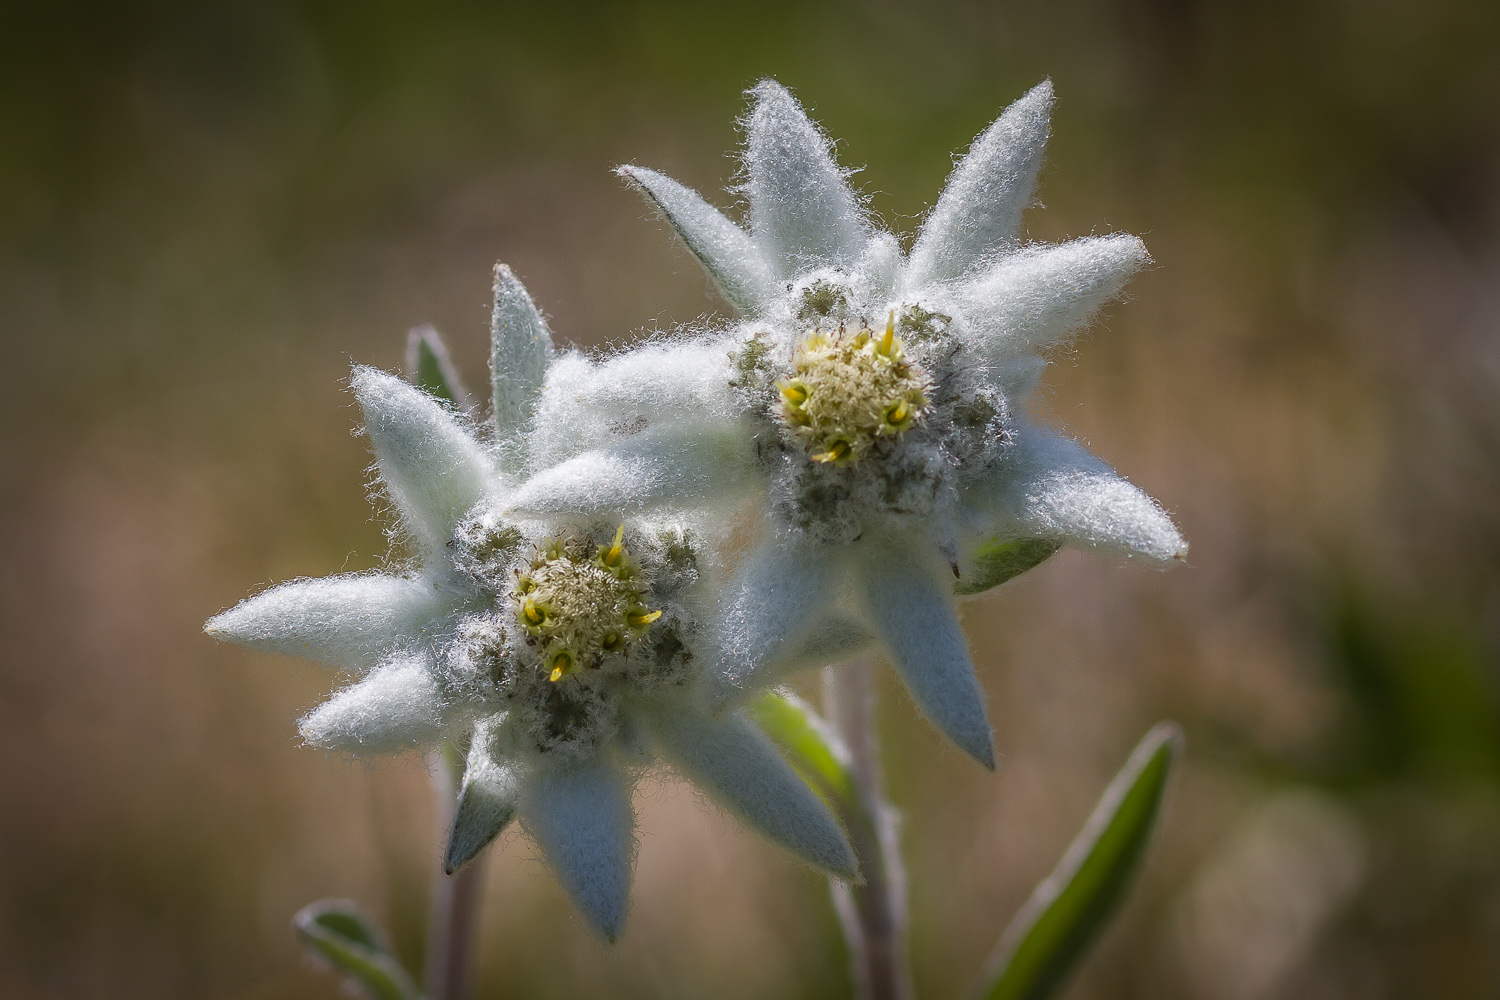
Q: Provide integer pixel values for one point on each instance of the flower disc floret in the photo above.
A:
(850, 390)
(578, 607)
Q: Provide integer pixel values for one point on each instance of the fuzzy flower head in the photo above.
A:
(873, 398)
(565, 652)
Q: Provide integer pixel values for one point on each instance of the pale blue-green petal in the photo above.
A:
(1038, 297)
(433, 467)
(581, 818)
(680, 465)
(917, 620)
(349, 621)
(520, 348)
(768, 610)
(980, 210)
(726, 251)
(802, 212)
(487, 798)
(739, 767)
(397, 707)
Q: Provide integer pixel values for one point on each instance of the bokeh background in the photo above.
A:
(207, 212)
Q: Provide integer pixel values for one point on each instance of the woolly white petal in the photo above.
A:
(917, 620)
(980, 209)
(802, 212)
(520, 347)
(767, 610)
(674, 466)
(1038, 297)
(1053, 487)
(434, 469)
(726, 251)
(396, 707)
(486, 800)
(581, 818)
(349, 621)
(585, 405)
(736, 764)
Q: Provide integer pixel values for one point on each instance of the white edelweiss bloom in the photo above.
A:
(875, 396)
(566, 650)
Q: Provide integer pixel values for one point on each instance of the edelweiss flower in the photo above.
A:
(564, 649)
(875, 396)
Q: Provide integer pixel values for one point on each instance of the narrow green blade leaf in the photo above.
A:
(810, 746)
(339, 933)
(431, 368)
(995, 562)
(1069, 907)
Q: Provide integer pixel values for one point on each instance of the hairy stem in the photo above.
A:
(455, 898)
(873, 915)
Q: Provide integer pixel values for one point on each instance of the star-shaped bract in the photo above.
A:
(968, 489)
(440, 652)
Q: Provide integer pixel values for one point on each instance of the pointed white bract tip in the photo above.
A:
(434, 469)
(916, 617)
(739, 767)
(348, 621)
(398, 706)
(582, 820)
(520, 349)
(980, 210)
(802, 212)
(1053, 487)
(1039, 297)
(731, 258)
(487, 801)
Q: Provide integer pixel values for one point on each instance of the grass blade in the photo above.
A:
(1069, 907)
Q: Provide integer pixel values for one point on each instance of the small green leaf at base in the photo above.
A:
(1069, 907)
(431, 369)
(340, 934)
(810, 746)
(995, 562)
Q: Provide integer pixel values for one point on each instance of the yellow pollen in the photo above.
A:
(534, 615)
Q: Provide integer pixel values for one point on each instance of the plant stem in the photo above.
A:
(873, 914)
(455, 898)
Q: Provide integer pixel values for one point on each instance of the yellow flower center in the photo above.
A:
(849, 390)
(577, 609)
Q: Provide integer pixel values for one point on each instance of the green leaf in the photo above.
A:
(339, 933)
(1053, 930)
(810, 746)
(995, 562)
(431, 368)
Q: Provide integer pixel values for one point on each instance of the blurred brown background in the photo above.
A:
(208, 211)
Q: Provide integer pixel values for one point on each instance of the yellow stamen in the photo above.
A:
(898, 415)
(838, 450)
(562, 665)
(640, 617)
(888, 342)
(533, 613)
(610, 557)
